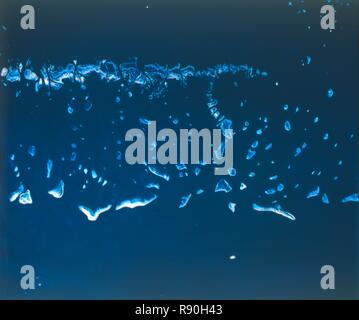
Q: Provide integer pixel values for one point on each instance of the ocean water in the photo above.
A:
(94, 226)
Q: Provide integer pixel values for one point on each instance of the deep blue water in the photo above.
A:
(203, 250)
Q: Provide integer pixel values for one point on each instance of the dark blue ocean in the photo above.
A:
(91, 70)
